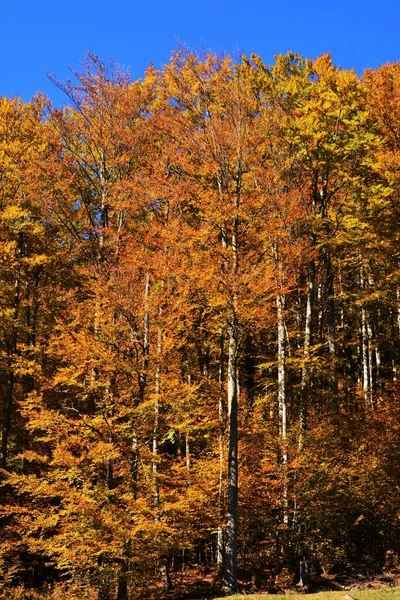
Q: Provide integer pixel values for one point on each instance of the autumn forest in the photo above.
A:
(199, 328)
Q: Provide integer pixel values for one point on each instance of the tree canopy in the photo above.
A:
(199, 327)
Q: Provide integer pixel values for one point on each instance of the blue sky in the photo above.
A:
(39, 36)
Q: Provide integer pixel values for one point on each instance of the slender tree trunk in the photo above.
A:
(142, 383)
(282, 400)
(7, 414)
(320, 314)
(220, 533)
(12, 349)
(122, 592)
(370, 362)
(230, 565)
(165, 577)
(346, 364)
(163, 565)
(134, 462)
(230, 571)
(109, 395)
(378, 363)
(306, 353)
(103, 208)
(398, 310)
(366, 353)
(282, 403)
(146, 337)
(221, 375)
(187, 455)
(330, 306)
(330, 318)
(187, 440)
(156, 490)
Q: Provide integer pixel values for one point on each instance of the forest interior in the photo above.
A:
(200, 331)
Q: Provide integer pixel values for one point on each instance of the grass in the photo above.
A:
(376, 594)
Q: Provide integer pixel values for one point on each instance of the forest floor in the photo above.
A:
(373, 594)
(357, 584)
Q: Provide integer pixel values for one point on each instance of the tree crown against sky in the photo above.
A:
(45, 38)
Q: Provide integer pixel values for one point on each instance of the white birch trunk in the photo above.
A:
(398, 310)
(230, 563)
(230, 571)
(306, 353)
(282, 405)
(370, 366)
(366, 354)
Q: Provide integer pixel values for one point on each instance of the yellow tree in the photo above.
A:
(215, 117)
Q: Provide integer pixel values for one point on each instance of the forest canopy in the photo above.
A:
(199, 327)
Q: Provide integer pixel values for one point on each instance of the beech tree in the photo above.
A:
(199, 327)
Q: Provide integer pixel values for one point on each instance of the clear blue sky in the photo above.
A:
(39, 36)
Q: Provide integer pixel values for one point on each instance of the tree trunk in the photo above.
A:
(364, 355)
(7, 415)
(330, 318)
(31, 327)
(306, 353)
(142, 383)
(282, 403)
(230, 572)
(12, 349)
(366, 351)
(378, 364)
(187, 455)
(370, 363)
(156, 490)
(230, 565)
(220, 533)
(156, 409)
(122, 593)
(398, 310)
(165, 578)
